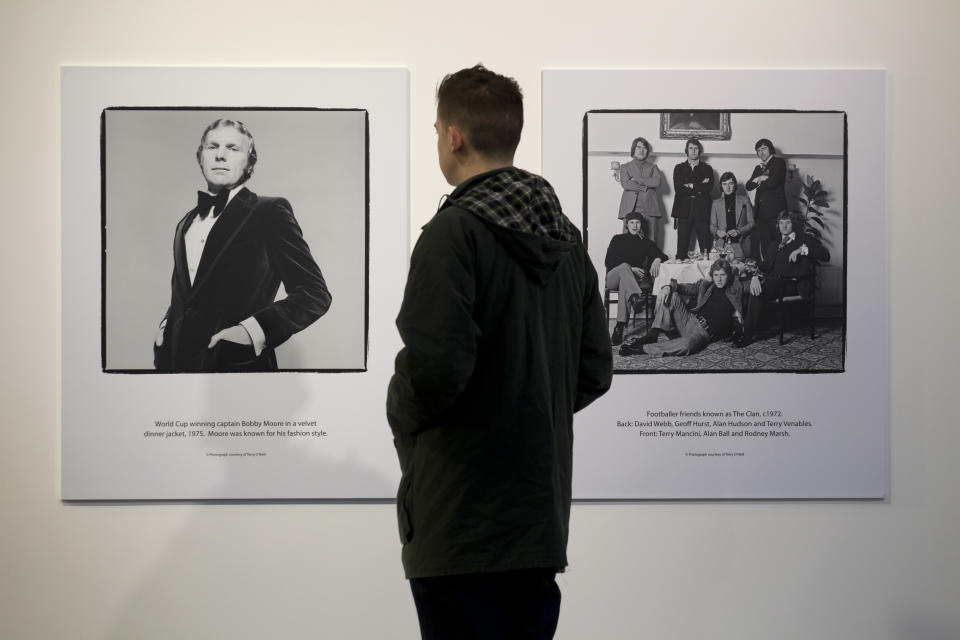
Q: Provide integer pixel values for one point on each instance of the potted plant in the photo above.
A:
(813, 202)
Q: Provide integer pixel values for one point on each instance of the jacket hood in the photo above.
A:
(524, 214)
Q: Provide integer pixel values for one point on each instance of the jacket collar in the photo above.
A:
(232, 219)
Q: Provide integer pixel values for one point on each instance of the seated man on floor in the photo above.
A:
(716, 314)
(632, 263)
(791, 256)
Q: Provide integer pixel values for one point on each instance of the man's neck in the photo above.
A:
(477, 166)
(215, 189)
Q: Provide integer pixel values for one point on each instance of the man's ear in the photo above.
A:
(457, 142)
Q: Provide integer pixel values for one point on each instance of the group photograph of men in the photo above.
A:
(722, 251)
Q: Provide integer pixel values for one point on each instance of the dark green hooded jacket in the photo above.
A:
(504, 338)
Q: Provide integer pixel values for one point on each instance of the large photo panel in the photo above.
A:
(760, 357)
(267, 306)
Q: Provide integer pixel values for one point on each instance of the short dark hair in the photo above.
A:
(720, 264)
(728, 175)
(636, 141)
(487, 106)
(242, 128)
(764, 142)
(694, 142)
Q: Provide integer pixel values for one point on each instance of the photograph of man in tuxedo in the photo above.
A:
(230, 255)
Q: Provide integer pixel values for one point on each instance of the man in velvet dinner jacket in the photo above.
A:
(230, 255)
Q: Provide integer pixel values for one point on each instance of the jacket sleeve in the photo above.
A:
(698, 181)
(638, 183)
(653, 181)
(777, 176)
(628, 181)
(748, 226)
(307, 295)
(596, 358)
(652, 253)
(436, 326)
(678, 181)
(751, 185)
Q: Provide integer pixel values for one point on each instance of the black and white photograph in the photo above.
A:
(231, 271)
(760, 259)
(719, 255)
(234, 239)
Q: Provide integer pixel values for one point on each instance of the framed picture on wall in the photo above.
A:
(753, 428)
(706, 125)
(194, 200)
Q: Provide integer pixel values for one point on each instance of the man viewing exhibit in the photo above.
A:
(230, 255)
(632, 263)
(504, 339)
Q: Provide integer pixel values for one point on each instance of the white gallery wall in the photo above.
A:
(790, 570)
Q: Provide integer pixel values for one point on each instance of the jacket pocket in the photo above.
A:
(228, 354)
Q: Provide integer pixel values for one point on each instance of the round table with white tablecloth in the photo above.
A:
(684, 271)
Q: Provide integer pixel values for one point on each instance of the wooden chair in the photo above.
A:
(646, 299)
(805, 297)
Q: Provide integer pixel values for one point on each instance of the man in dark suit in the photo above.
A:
(767, 179)
(693, 183)
(230, 255)
(791, 255)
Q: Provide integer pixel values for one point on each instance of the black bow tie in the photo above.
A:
(206, 200)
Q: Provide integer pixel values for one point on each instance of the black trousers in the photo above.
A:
(764, 232)
(699, 225)
(506, 605)
(772, 287)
